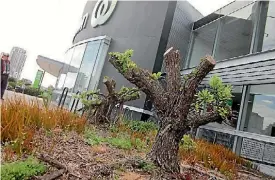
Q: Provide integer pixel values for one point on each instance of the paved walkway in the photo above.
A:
(11, 95)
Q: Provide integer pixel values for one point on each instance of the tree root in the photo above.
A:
(52, 162)
(192, 168)
(62, 169)
(249, 173)
(53, 175)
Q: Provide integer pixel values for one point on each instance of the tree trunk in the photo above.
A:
(103, 113)
(172, 102)
(164, 152)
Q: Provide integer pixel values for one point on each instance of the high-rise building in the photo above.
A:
(17, 58)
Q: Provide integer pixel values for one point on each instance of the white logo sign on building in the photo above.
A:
(102, 12)
(83, 22)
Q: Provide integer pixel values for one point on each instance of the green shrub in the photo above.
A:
(141, 126)
(46, 96)
(21, 170)
(11, 85)
(121, 143)
(145, 165)
(188, 143)
(139, 144)
(32, 91)
(12, 79)
(114, 128)
(92, 138)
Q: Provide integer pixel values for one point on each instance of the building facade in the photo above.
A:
(241, 39)
(240, 36)
(18, 58)
(148, 28)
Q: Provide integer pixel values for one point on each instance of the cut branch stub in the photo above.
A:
(100, 106)
(206, 65)
(110, 85)
(195, 119)
(172, 66)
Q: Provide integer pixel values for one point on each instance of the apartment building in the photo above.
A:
(17, 58)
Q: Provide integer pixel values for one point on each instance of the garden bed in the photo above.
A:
(58, 144)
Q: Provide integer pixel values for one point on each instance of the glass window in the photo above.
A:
(95, 77)
(236, 33)
(269, 33)
(203, 43)
(87, 66)
(74, 66)
(62, 76)
(260, 117)
(61, 80)
(233, 6)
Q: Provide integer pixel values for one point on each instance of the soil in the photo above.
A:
(103, 161)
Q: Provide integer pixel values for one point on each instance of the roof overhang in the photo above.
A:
(54, 67)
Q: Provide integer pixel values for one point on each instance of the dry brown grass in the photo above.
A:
(21, 118)
(213, 156)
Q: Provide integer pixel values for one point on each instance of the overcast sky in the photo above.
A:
(46, 27)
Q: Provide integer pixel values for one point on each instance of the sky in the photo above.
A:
(46, 27)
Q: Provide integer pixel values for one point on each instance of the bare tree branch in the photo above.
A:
(143, 80)
(206, 65)
(195, 119)
(128, 96)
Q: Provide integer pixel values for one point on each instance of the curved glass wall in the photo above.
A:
(70, 80)
(63, 73)
(82, 68)
(87, 66)
(74, 66)
(62, 76)
(99, 63)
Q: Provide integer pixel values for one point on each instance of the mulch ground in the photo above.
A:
(74, 159)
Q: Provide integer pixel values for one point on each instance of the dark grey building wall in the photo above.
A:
(179, 37)
(134, 24)
(147, 27)
(176, 33)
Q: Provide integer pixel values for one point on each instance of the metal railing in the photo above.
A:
(76, 100)
(63, 97)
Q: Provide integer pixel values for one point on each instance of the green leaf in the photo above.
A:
(124, 59)
(215, 82)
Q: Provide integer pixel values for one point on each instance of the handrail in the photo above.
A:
(74, 102)
(83, 110)
(243, 134)
(63, 97)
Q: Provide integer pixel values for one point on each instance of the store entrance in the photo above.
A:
(82, 69)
